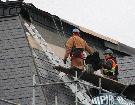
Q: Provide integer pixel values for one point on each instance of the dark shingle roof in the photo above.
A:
(17, 68)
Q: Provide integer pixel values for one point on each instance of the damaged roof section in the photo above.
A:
(17, 68)
(49, 75)
(44, 64)
(47, 19)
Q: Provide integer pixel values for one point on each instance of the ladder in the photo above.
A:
(82, 96)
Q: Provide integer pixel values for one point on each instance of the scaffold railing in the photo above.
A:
(9, 102)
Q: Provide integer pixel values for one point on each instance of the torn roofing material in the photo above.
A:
(54, 60)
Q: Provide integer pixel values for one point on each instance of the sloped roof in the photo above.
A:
(90, 32)
(17, 68)
(127, 49)
(98, 35)
(93, 33)
(31, 9)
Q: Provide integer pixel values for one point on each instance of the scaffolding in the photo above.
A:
(78, 94)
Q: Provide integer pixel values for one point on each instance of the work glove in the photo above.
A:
(64, 60)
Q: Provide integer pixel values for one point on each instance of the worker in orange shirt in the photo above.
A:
(74, 48)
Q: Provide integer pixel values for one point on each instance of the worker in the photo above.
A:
(110, 66)
(74, 48)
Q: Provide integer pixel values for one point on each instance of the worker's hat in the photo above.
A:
(108, 51)
(75, 30)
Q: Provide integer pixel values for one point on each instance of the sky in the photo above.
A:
(113, 18)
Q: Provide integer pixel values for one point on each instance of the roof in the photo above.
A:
(16, 9)
(98, 35)
(90, 32)
(17, 68)
(19, 61)
(127, 49)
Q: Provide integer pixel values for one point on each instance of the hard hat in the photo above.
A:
(108, 51)
(76, 30)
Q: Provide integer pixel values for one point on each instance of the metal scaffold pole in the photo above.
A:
(34, 83)
(56, 100)
(76, 101)
(9, 102)
(100, 86)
